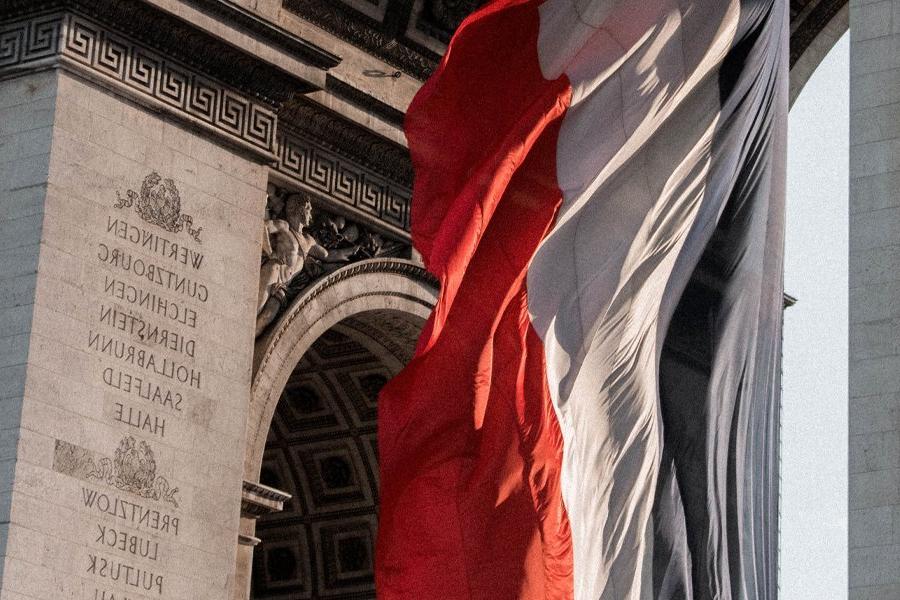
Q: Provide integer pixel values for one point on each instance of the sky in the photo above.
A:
(813, 524)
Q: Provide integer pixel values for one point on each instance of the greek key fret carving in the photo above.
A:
(131, 64)
(29, 40)
(169, 82)
(333, 176)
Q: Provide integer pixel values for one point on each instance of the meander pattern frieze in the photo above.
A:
(140, 70)
(305, 121)
(185, 42)
(171, 83)
(328, 174)
(352, 167)
(29, 40)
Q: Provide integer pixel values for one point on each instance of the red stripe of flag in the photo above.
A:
(470, 449)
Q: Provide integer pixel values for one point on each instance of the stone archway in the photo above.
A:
(311, 431)
(816, 26)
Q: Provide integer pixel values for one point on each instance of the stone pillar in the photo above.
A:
(130, 261)
(132, 190)
(874, 486)
(26, 118)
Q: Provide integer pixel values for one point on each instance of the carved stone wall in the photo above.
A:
(89, 47)
(303, 244)
(132, 335)
(330, 174)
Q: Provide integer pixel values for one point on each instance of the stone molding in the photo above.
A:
(402, 267)
(376, 284)
(85, 45)
(334, 177)
(308, 120)
(317, 150)
(248, 540)
(366, 33)
(365, 101)
(258, 500)
(308, 52)
(193, 47)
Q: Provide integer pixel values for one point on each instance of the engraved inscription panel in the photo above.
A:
(149, 280)
(147, 262)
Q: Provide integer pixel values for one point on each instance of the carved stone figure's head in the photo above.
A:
(298, 211)
(350, 233)
(371, 244)
(274, 202)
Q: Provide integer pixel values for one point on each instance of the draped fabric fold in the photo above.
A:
(574, 159)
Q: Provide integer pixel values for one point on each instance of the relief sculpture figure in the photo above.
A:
(292, 256)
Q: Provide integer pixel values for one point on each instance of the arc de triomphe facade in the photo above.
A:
(206, 277)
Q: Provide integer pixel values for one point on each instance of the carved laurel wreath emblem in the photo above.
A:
(132, 469)
(159, 203)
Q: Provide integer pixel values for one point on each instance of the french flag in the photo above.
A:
(574, 159)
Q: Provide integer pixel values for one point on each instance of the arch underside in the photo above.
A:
(809, 18)
(816, 25)
(322, 450)
(312, 426)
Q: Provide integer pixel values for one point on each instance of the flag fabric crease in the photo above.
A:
(574, 159)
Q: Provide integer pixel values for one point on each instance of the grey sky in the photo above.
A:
(814, 415)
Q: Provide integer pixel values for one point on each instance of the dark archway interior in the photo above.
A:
(322, 449)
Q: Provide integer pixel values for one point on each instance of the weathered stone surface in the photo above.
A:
(874, 489)
(137, 350)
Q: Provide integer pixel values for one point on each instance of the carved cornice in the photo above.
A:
(309, 120)
(318, 150)
(85, 44)
(176, 39)
(328, 174)
(258, 500)
(381, 39)
(327, 155)
(366, 102)
(808, 19)
(297, 47)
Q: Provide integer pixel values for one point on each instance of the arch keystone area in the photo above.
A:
(371, 285)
